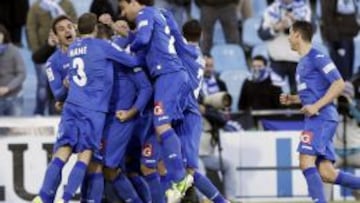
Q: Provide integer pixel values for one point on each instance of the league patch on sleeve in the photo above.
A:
(143, 23)
(50, 74)
(328, 68)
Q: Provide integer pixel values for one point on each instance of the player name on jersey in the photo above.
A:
(78, 51)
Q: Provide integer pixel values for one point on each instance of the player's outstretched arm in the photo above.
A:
(144, 29)
(144, 89)
(115, 53)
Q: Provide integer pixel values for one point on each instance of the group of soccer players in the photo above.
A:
(129, 109)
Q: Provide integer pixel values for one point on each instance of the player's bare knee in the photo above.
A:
(162, 128)
(161, 168)
(95, 167)
(63, 153)
(85, 156)
(110, 173)
(328, 173)
(146, 170)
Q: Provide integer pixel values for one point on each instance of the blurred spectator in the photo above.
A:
(347, 141)
(262, 89)
(38, 25)
(13, 17)
(339, 27)
(103, 6)
(276, 22)
(212, 83)
(244, 9)
(12, 76)
(179, 8)
(226, 12)
(213, 121)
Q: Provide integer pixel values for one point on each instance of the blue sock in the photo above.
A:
(110, 193)
(76, 177)
(171, 151)
(315, 184)
(203, 184)
(125, 189)
(92, 187)
(165, 182)
(348, 180)
(142, 188)
(52, 180)
(157, 195)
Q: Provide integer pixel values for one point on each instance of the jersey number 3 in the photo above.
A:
(80, 78)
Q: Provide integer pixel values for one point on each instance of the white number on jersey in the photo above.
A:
(80, 79)
(171, 47)
(200, 77)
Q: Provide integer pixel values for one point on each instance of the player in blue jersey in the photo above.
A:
(59, 63)
(165, 69)
(57, 69)
(318, 83)
(190, 128)
(83, 117)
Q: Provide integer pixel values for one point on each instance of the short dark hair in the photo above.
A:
(260, 58)
(104, 31)
(142, 2)
(57, 20)
(192, 30)
(305, 29)
(7, 38)
(87, 23)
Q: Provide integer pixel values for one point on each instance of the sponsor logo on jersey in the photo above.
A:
(147, 150)
(306, 137)
(158, 109)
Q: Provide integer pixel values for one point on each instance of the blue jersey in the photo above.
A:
(153, 36)
(91, 74)
(131, 89)
(315, 73)
(57, 68)
(123, 42)
(190, 54)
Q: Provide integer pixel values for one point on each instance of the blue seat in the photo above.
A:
(250, 35)
(228, 57)
(260, 49)
(218, 37)
(194, 11)
(357, 54)
(258, 7)
(234, 80)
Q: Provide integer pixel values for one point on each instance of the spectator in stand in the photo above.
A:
(13, 17)
(38, 25)
(100, 7)
(212, 83)
(339, 28)
(274, 29)
(261, 90)
(348, 149)
(213, 121)
(12, 76)
(226, 12)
